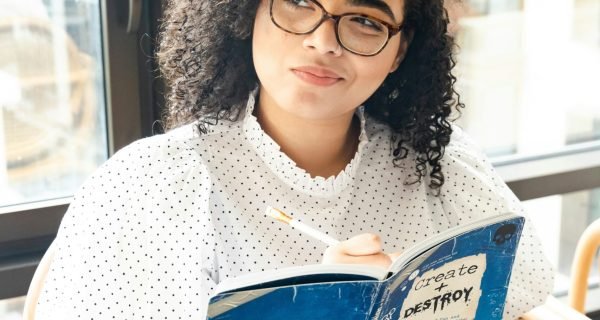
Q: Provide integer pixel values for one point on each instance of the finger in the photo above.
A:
(361, 245)
(394, 256)
(380, 259)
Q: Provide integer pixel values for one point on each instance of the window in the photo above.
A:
(528, 72)
(77, 83)
(52, 125)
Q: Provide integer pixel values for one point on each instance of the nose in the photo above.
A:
(323, 39)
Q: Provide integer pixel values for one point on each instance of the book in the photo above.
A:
(461, 273)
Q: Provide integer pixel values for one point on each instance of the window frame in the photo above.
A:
(572, 168)
(27, 230)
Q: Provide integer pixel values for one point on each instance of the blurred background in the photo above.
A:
(78, 81)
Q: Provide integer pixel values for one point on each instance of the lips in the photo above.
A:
(319, 72)
(317, 75)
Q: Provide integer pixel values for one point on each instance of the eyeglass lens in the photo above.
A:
(357, 33)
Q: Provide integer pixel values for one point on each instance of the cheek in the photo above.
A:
(261, 41)
(371, 72)
(260, 33)
(268, 44)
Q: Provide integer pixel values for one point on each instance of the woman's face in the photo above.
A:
(284, 62)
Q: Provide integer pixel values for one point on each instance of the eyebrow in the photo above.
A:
(376, 4)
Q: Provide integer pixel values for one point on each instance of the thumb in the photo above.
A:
(361, 245)
(394, 256)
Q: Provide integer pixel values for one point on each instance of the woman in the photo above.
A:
(334, 110)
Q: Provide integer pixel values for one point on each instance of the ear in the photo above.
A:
(405, 40)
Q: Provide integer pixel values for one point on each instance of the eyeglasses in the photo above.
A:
(357, 33)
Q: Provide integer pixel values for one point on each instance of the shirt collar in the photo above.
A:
(287, 170)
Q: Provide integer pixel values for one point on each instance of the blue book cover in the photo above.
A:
(460, 274)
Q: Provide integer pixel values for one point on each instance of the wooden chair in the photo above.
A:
(554, 310)
(35, 287)
(584, 254)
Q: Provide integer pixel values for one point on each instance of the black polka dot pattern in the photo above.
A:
(166, 218)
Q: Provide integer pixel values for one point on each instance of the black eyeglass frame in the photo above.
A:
(392, 30)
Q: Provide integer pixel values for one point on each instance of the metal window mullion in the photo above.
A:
(574, 169)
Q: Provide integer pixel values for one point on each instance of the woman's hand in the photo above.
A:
(362, 249)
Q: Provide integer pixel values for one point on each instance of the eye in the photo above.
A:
(298, 3)
(368, 23)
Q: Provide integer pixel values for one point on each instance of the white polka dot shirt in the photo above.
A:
(156, 227)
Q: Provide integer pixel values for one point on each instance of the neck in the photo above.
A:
(322, 147)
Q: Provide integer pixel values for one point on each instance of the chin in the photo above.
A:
(320, 109)
(310, 103)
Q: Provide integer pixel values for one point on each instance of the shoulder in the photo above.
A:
(148, 176)
(464, 154)
(176, 144)
(461, 141)
(471, 183)
(159, 149)
(462, 150)
(178, 151)
(164, 156)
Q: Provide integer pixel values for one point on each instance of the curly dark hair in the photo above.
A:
(205, 55)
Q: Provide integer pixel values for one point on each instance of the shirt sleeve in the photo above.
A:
(137, 241)
(473, 190)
